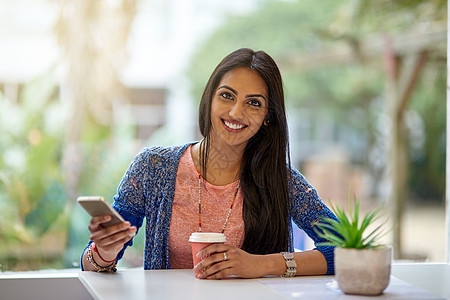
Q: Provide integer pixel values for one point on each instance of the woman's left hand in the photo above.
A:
(223, 260)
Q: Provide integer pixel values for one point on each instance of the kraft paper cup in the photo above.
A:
(200, 240)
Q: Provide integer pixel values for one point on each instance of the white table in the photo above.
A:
(432, 277)
(409, 281)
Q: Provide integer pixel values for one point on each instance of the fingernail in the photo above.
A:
(196, 267)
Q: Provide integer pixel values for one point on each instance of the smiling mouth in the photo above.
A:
(233, 126)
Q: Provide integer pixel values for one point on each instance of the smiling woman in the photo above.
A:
(237, 181)
(238, 108)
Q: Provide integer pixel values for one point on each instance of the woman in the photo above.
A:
(237, 180)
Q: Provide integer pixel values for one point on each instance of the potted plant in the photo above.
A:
(362, 266)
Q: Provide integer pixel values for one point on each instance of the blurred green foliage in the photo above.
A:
(32, 193)
(427, 149)
(41, 227)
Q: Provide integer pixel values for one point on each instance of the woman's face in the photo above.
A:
(239, 106)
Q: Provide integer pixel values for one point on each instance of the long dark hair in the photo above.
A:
(265, 164)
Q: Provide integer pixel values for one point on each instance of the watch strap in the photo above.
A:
(291, 265)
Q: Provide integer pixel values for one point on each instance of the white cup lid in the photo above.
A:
(207, 237)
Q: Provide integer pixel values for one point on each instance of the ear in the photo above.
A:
(266, 121)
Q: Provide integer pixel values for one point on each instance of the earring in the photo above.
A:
(266, 122)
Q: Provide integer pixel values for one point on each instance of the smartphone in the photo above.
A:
(97, 206)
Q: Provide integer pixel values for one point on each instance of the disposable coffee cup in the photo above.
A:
(200, 240)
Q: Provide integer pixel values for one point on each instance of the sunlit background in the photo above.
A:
(85, 84)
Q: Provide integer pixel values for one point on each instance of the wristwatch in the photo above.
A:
(291, 265)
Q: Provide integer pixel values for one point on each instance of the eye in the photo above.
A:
(254, 102)
(226, 95)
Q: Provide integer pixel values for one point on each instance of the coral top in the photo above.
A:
(215, 201)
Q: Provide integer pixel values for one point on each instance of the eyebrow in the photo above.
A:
(247, 96)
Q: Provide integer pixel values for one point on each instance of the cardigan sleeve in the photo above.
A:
(146, 191)
(130, 199)
(306, 210)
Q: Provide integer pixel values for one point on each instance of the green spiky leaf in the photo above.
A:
(350, 230)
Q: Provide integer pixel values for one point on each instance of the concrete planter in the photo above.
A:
(363, 271)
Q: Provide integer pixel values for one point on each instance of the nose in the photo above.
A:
(237, 111)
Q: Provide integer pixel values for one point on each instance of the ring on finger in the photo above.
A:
(225, 257)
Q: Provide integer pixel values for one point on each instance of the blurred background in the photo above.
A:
(85, 84)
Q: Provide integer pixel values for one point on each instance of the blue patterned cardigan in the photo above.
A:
(147, 191)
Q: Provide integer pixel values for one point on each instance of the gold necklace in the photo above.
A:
(200, 195)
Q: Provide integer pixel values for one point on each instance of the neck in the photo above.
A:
(224, 163)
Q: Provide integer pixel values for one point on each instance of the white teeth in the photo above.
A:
(233, 126)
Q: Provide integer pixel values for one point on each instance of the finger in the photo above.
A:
(117, 240)
(213, 248)
(211, 264)
(116, 246)
(216, 271)
(221, 274)
(121, 229)
(113, 234)
(95, 222)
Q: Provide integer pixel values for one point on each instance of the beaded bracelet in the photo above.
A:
(110, 268)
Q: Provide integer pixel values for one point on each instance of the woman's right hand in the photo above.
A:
(110, 240)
